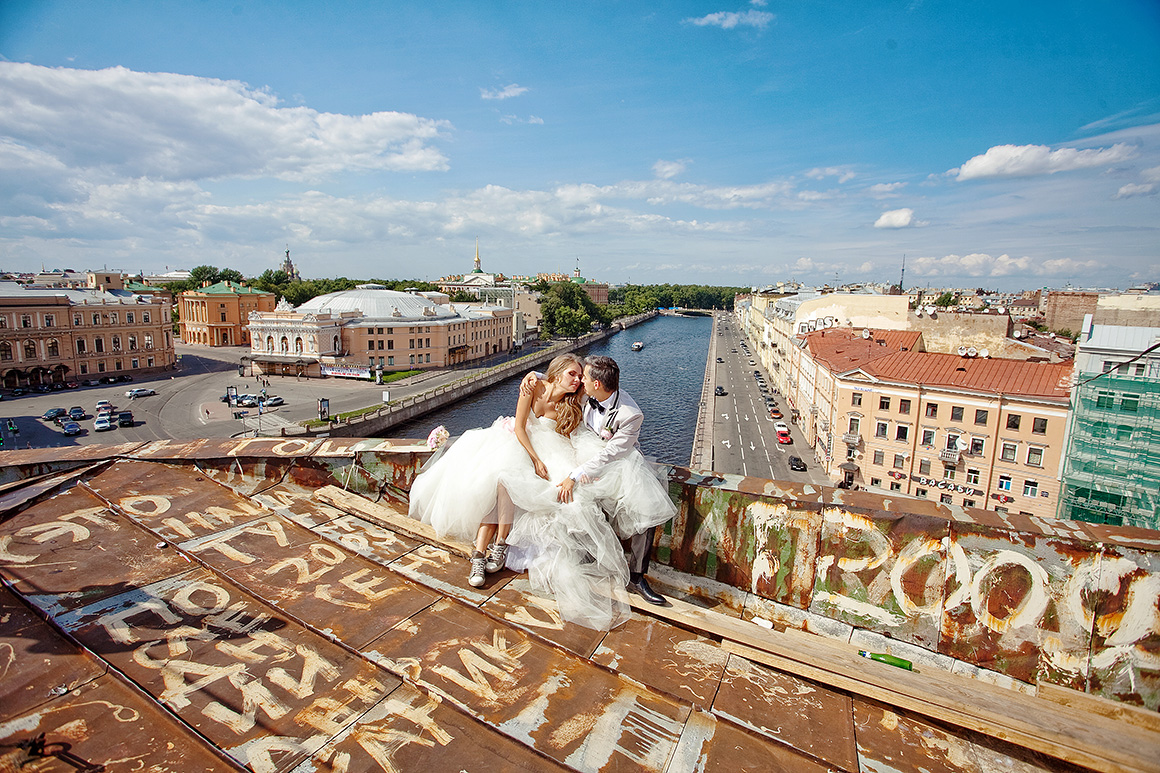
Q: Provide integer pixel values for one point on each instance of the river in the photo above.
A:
(664, 378)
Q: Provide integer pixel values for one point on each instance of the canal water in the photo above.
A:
(664, 378)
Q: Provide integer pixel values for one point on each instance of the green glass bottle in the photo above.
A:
(891, 660)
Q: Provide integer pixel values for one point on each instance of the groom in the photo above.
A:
(616, 418)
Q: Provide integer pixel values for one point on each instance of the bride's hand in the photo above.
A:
(541, 469)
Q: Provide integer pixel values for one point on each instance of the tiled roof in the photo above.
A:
(997, 376)
(842, 349)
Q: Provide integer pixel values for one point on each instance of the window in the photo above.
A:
(149, 362)
(1013, 421)
(412, 359)
(101, 366)
(132, 342)
(1105, 399)
(410, 343)
(5, 350)
(968, 503)
(932, 410)
(81, 346)
(1139, 369)
(973, 477)
(924, 466)
(30, 350)
(948, 473)
(390, 360)
(952, 441)
(1001, 510)
(1130, 403)
(879, 456)
(899, 460)
(928, 437)
(876, 482)
(113, 318)
(116, 364)
(1124, 432)
(145, 317)
(1008, 452)
(148, 340)
(855, 423)
(1030, 488)
(53, 348)
(956, 413)
(129, 317)
(84, 368)
(25, 321)
(223, 316)
(390, 343)
(851, 453)
(284, 345)
(896, 486)
(1035, 456)
(920, 492)
(902, 432)
(116, 343)
(135, 363)
(977, 445)
(945, 498)
(96, 319)
(380, 346)
(856, 398)
(980, 417)
(1004, 482)
(4, 322)
(49, 320)
(884, 403)
(880, 429)
(903, 406)
(78, 320)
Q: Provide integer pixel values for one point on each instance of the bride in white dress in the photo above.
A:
(495, 486)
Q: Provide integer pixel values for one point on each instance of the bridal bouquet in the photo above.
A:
(438, 437)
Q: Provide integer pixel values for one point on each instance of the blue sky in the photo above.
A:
(1003, 145)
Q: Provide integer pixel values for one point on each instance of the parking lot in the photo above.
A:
(747, 415)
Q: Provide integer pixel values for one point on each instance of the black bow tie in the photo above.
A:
(595, 404)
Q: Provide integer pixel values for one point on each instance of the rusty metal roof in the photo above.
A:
(994, 376)
(219, 604)
(842, 349)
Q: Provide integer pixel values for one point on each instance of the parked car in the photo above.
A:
(104, 404)
(720, 359)
(72, 384)
(124, 378)
(796, 464)
(57, 386)
(91, 382)
(273, 400)
(107, 380)
(784, 438)
(102, 423)
(76, 413)
(248, 401)
(720, 392)
(52, 413)
(42, 388)
(71, 428)
(781, 426)
(139, 392)
(774, 413)
(18, 391)
(125, 419)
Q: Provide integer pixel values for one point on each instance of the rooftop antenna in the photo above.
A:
(902, 278)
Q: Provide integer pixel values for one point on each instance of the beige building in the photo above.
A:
(218, 314)
(58, 335)
(358, 333)
(881, 414)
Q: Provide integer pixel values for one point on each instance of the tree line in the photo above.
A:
(565, 308)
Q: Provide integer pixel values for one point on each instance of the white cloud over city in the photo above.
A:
(1028, 160)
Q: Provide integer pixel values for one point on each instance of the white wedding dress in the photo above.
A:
(571, 551)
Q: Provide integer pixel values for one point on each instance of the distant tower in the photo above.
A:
(902, 279)
(289, 270)
(478, 267)
(576, 273)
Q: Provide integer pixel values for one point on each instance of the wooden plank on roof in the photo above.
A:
(358, 505)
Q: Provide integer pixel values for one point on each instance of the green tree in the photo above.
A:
(945, 300)
(230, 275)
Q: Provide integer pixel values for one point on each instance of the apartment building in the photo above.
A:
(57, 335)
(218, 314)
(969, 431)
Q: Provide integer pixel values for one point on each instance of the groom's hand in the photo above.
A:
(528, 385)
(564, 493)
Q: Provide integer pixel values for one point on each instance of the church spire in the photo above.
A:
(478, 268)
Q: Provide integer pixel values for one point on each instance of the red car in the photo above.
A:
(784, 438)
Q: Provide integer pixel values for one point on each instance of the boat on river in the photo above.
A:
(637, 345)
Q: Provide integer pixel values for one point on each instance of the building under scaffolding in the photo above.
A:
(1112, 468)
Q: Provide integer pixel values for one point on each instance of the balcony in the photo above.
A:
(851, 438)
(950, 455)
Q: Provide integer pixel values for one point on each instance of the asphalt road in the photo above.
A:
(744, 438)
(188, 402)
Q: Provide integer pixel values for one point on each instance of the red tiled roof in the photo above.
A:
(842, 349)
(1005, 376)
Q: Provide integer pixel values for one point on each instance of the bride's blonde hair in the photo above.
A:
(569, 411)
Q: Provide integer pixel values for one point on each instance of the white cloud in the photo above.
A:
(533, 120)
(758, 3)
(727, 20)
(666, 170)
(895, 218)
(1130, 190)
(505, 92)
(983, 265)
(843, 174)
(180, 127)
(886, 190)
(1030, 160)
(1151, 175)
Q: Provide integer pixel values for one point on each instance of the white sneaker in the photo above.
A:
(496, 557)
(476, 578)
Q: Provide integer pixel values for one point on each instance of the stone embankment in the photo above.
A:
(395, 412)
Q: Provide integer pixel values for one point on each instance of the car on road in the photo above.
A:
(52, 413)
(720, 391)
(91, 382)
(784, 438)
(124, 378)
(753, 362)
(796, 464)
(273, 400)
(73, 384)
(781, 426)
(107, 380)
(57, 386)
(248, 401)
(42, 388)
(103, 423)
(72, 428)
(76, 413)
(720, 359)
(774, 413)
(18, 391)
(125, 419)
(139, 392)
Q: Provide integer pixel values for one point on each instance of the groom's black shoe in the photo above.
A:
(638, 584)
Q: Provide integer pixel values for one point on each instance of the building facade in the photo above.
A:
(1112, 472)
(218, 314)
(358, 333)
(58, 335)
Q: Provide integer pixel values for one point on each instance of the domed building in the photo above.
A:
(370, 329)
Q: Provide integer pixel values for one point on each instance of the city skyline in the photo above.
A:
(691, 143)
